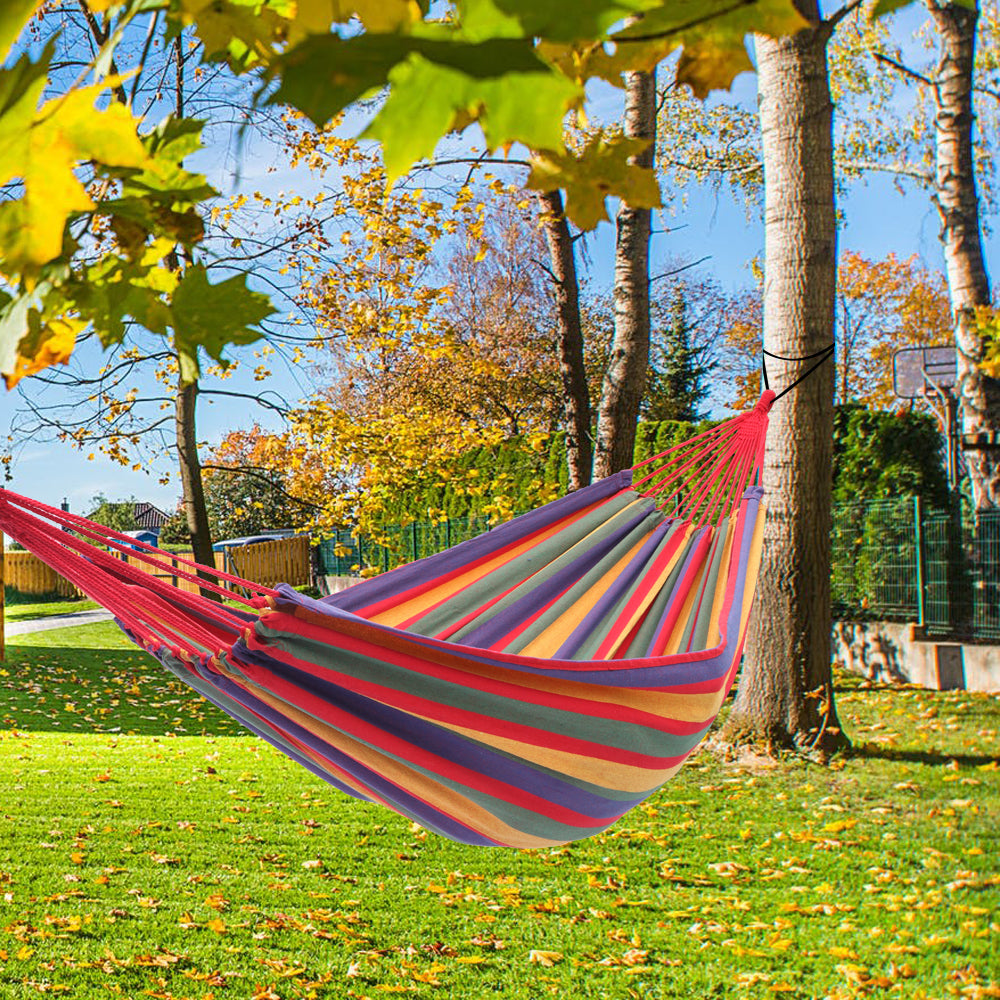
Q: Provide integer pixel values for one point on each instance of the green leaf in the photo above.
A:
(325, 74)
(428, 99)
(243, 32)
(43, 149)
(591, 19)
(14, 15)
(713, 34)
(601, 169)
(213, 316)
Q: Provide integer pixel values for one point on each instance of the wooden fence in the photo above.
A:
(285, 560)
(27, 573)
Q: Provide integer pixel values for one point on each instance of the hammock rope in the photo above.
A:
(525, 688)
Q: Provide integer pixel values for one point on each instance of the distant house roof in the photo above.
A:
(149, 516)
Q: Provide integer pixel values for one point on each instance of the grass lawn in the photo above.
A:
(150, 849)
(42, 609)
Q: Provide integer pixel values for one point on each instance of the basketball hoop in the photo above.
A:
(931, 374)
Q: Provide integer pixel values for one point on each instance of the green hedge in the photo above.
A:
(877, 455)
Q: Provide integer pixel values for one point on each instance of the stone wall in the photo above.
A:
(888, 652)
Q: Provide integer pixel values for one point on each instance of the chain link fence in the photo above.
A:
(892, 560)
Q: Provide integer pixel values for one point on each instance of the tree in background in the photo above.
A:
(676, 387)
(119, 515)
(932, 122)
(246, 486)
(883, 306)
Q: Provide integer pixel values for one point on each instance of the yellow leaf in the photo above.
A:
(63, 132)
(840, 825)
(218, 925)
(545, 958)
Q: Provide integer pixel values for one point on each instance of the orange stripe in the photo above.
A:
(405, 614)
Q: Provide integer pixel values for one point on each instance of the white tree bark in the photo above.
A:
(625, 379)
(968, 283)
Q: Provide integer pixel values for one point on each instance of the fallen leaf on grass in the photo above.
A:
(545, 958)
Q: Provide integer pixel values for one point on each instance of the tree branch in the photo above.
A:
(900, 169)
(258, 472)
(904, 70)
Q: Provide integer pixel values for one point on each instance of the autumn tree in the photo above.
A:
(883, 306)
(942, 142)
(247, 476)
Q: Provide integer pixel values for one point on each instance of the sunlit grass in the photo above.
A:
(148, 848)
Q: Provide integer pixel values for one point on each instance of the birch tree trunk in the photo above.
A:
(576, 396)
(968, 283)
(785, 695)
(625, 379)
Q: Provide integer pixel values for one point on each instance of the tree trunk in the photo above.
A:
(968, 284)
(193, 499)
(576, 395)
(625, 379)
(785, 695)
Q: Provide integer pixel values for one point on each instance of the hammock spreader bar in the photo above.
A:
(525, 688)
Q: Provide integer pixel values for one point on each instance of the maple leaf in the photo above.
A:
(41, 148)
(602, 169)
(214, 316)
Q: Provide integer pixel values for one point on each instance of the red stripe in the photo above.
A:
(385, 742)
(450, 670)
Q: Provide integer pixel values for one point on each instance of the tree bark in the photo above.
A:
(625, 379)
(193, 497)
(785, 696)
(576, 395)
(968, 283)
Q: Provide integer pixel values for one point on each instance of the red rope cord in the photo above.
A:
(706, 476)
(142, 551)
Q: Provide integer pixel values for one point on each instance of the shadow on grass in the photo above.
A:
(932, 758)
(76, 689)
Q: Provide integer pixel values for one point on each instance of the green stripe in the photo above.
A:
(526, 566)
(558, 722)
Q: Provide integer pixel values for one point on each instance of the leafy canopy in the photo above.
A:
(84, 166)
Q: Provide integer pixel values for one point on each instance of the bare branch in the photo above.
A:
(904, 70)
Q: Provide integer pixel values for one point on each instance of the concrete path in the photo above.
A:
(56, 621)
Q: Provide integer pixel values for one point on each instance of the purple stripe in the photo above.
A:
(612, 595)
(453, 747)
(389, 584)
(515, 614)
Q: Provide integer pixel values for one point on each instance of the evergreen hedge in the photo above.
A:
(877, 455)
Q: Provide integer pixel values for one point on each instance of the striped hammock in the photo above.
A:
(525, 688)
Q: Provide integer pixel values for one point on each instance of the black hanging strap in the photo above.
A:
(823, 355)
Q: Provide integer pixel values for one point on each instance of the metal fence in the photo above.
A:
(892, 560)
(895, 560)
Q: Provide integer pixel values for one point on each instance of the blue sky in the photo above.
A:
(878, 220)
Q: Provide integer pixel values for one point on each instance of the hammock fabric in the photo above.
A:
(525, 688)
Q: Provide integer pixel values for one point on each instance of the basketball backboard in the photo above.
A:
(922, 372)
